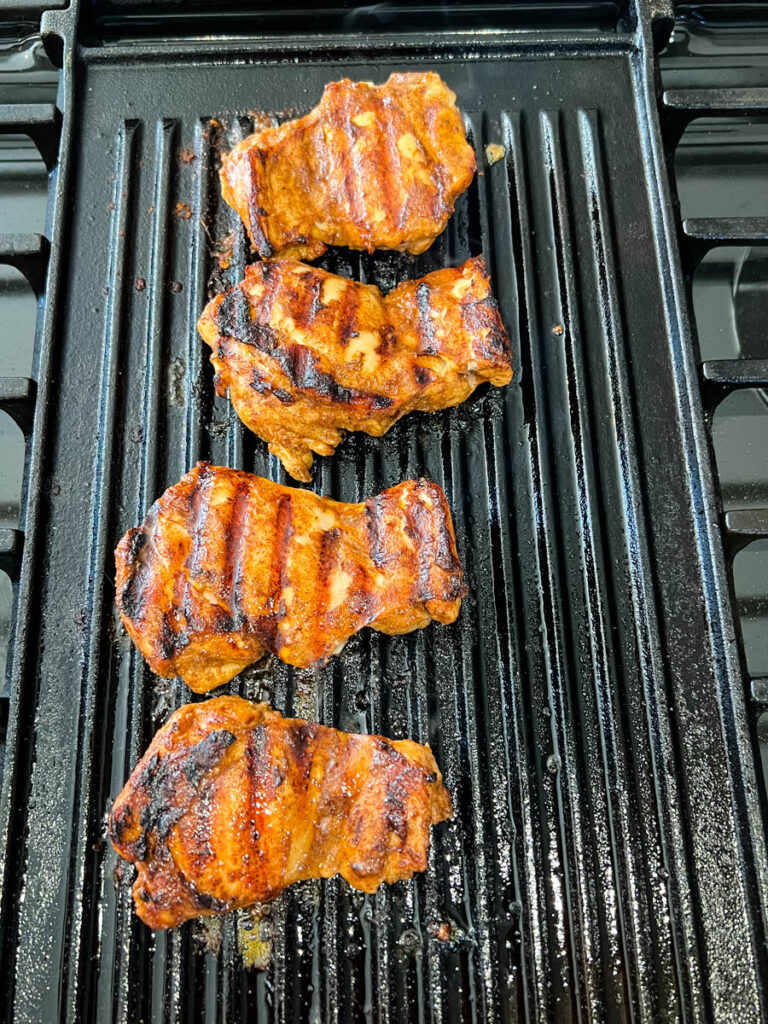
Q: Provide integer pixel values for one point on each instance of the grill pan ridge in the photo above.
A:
(605, 861)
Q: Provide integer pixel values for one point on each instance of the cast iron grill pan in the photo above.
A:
(602, 863)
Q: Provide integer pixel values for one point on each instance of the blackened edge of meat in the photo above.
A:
(171, 641)
(162, 779)
(256, 211)
(485, 314)
(132, 597)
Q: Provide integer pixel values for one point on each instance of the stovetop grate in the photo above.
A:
(607, 860)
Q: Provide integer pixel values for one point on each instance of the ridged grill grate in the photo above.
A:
(603, 862)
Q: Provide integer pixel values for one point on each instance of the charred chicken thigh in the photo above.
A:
(307, 355)
(232, 803)
(228, 566)
(371, 167)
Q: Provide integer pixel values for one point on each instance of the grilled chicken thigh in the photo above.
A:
(371, 167)
(227, 566)
(307, 355)
(232, 803)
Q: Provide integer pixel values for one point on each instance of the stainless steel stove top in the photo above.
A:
(26, 76)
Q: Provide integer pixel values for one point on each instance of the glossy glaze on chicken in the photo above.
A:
(307, 355)
(228, 566)
(232, 803)
(371, 167)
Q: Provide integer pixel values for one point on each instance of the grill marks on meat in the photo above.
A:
(371, 167)
(307, 355)
(299, 364)
(228, 566)
(232, 803)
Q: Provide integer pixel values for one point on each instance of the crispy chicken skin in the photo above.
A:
(232, 803)
(307, 355)
(227, 566)
(371, 167)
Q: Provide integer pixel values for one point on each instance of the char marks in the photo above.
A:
(348, 316)
(302, 368)
(346, 158)
(140, 556)
(206, 754)
(370, 167)
(234, 320)
(197, 504)
(235, 552)
(256, 211)
(307, 303)
(243, 565)
(419, 521)
(268, 625)
(300, 746)
(394, 199)
(259, 769)
(441, 531)
(377, 530)
(300, 365)
(427, 344)
(307, 355)
(232, 803)
(329, 548)
(167, 779)
(482, 323)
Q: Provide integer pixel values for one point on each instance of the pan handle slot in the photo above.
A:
(725, 102)
(29, 254)
(700, 234)
(40, 121)
(11, 546)
(17, 398)
(681, 106)
(719, 377)
(743, 526)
